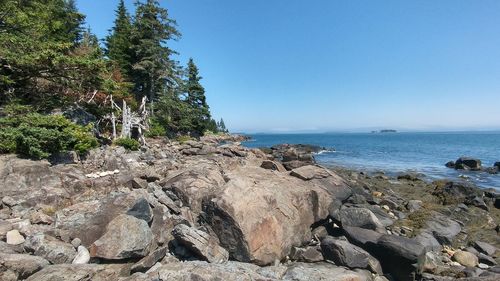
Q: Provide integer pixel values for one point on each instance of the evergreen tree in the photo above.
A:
(222, 126)
(40, 60)
(153, 70)
(118, 43)
(196, 98)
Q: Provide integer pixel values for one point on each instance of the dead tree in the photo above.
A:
(134, 124)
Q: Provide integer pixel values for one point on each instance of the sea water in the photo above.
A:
(393, 153)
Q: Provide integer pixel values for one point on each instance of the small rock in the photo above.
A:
(483, 266)
(308, 254)
(139, 183)
(40, 218)
(486, 259)
(76, 242)
(50, 248)
(465, 258)
(485, 248)
(467, 163)
(272, 165)
(414, 205)
(14, 237)
(82, 256)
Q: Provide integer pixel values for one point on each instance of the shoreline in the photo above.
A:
(213, 208)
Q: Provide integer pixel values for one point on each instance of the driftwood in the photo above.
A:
(134, 124)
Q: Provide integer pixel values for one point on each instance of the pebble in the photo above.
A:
(14, 237)
(76, 242)
(483, 266)
(82, 257)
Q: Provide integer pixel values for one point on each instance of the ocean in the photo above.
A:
(394, 153)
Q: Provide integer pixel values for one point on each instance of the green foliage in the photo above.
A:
(118, 43)
(128, 143)
(38, 136)
(42, 61)
(156, 129)
(153, 70)
(183, 138)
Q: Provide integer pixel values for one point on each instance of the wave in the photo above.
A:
(325, 151)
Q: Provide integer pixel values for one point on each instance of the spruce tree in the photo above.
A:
(153, 69)
(118, 43)
(222, 126)
(196, 98)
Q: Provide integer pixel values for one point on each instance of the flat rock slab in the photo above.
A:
(50, 248)
(125, 237)
(310, 172)
(79, 272)
(22, 265)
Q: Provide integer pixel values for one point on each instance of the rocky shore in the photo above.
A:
(214, 210)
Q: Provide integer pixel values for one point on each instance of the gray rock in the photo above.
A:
(486, 259)
(141, 210)
(442, 228)
(202, 244)
(147, 262)
(414, 205)
(428, 241)
(361, 237)
(485, 248)
(345, 254)
(468, 163)
(360, 217)
(22, 265)
(393, 250)
(80, 272)
(50, 248)
(477, 202)
(321, 271)
(125, 237)
(76, 242)
(307, 254)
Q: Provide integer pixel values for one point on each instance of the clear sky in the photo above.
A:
(331, 65)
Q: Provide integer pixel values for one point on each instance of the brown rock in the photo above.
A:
(200, 243)
(272, 165)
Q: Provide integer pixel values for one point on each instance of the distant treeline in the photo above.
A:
(50, 62)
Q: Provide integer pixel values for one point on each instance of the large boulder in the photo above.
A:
(360, 217)
(202, 244)
(125, 237)
(468, 163)
(344, 253)
(260, 215)
(398, 255)
(310, 172)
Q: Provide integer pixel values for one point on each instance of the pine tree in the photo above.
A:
(118, 43)
(153, 69)
(222, 126)
(196, 98)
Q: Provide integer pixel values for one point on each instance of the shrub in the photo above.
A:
(183, 139)
(155, 129)
(38, 136)
(128, 143)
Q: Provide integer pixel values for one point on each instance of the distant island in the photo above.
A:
(385, 131)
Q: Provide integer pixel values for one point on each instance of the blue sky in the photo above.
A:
(328, 65)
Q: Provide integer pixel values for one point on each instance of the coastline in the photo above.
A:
(216, 209)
